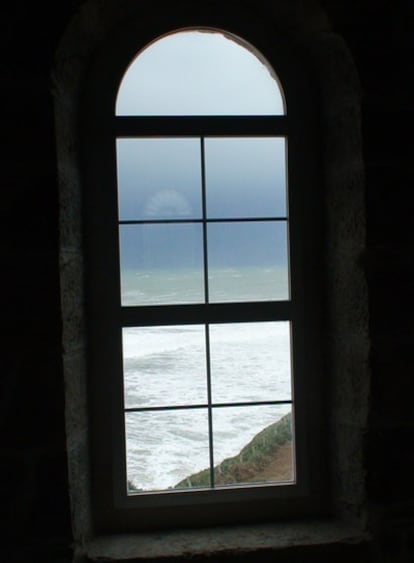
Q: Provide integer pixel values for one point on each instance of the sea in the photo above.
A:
(166, 375)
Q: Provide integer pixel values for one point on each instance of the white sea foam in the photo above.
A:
(166, 366)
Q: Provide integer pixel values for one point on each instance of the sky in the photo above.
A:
(201, 73)
(198, 73)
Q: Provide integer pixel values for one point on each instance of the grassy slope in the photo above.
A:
(249, 462)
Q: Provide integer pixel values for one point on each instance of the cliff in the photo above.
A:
(267, 457)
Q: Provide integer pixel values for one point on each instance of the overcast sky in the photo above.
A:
(195, 72)
(200, 73)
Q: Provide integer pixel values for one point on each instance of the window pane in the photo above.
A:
(250, 362)
(245, 177)
(165, 447)
(248, 261)
(164, 365)
(253, 444)
(199, 73)
(161, 264)
(159, 178)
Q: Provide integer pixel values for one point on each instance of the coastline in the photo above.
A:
(266, 458)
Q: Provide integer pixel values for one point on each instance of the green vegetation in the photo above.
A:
(250, 461)
(132, 488)
(247, 464)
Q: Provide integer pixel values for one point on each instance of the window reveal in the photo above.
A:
(161, 191)
(205, 301)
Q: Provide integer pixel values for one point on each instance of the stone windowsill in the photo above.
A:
(222, 540)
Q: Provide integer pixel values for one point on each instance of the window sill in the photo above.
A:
(242, 539)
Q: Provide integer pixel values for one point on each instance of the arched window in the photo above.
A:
(198, 205)
(203, 228)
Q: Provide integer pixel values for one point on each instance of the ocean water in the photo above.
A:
(185, 285)
(166, 366)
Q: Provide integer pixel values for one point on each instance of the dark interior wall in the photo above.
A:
(35, 504)
(380, 36)
(383, 50)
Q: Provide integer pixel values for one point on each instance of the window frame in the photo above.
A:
(111, 508)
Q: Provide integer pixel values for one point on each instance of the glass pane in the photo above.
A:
(253, 445)
(199, 73)
(159, 178)
(164, 365)
(248, 261)
(165, 447)
(245, 177)
(250, 362)
(161, 264)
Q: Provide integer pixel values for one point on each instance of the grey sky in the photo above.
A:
(198, 73)
(160, 178)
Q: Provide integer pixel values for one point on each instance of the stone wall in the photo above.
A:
(35, 505)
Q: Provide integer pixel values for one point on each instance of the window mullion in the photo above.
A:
(206, 297)
(204, 215)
